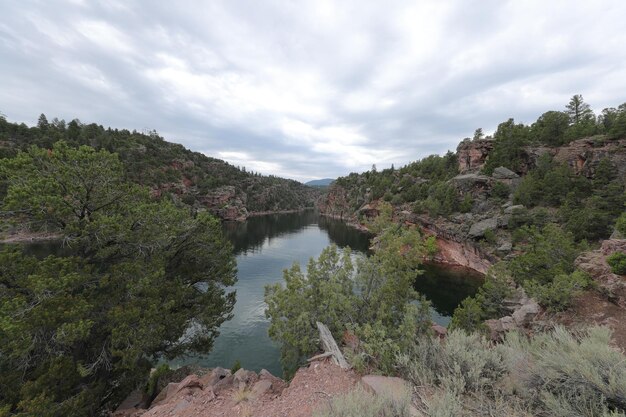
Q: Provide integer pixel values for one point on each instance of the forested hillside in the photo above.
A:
(164, 167)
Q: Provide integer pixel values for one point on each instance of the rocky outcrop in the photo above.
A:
(584, 155)
(523, 311)
(472, 154)
(246, 393)
(611, 285)
(226, 203)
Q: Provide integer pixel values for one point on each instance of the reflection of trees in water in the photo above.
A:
(446, 287)
(344, 235)
(252, 233)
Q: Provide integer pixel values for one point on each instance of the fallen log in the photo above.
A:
(330, 346)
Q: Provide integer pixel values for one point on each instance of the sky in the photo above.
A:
(309, 89)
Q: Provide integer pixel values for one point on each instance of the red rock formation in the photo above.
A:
(472, 154)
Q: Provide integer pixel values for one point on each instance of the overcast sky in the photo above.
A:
(309, 89)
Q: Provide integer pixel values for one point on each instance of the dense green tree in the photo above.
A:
(149, 280)
(548, 252)
(508, 151)
(42, 122)
(577, 110)
(550, 128)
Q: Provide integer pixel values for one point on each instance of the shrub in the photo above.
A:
(153, 381)
(490, 236)
(500, 191)
(236, 366)
(617, 262)
(461, 364)
(558, 295)
(565, 374)
(359, 403)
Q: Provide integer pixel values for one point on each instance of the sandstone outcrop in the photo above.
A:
(472, 154)
(611, 285)
(226, 203)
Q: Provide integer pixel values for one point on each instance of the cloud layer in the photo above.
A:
(309, 89)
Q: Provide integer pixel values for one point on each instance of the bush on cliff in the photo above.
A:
(78, 332)
(617, 262)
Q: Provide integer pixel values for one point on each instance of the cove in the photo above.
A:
(266, 245)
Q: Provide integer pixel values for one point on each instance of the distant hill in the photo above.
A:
(324, 182)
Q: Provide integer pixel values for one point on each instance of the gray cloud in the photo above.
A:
(309, 89)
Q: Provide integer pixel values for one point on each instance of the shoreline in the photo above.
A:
(267, 213)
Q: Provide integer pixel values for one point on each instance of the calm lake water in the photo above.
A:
(264, 247)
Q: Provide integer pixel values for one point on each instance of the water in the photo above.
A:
(264, 247)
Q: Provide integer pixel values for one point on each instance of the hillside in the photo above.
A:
(324, 182)
(168, 168)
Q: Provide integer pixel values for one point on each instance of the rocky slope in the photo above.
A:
(244, 393)
(481, 235)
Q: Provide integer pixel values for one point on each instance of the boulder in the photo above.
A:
(512, 209)
(505, 247)
(214, 376)
(503, 173)
(166, 393)
(261, 387)
(526, 313)
(478, 229)
(243, 377)
(471, 182)
(191, 382)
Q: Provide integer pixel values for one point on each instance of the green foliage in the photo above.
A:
(487, 304)
(550, 128)
(510, 139)
(153, 381)
(468, 316)
(79, 332)
(359, 403)
(620, 225)
(548, 252)
(463, 363)
(150, 161)
(236, 366)
(372, 298)
(617, 262)
(558, 294)
(500, 191)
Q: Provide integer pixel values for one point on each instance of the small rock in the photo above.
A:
(166, 393)
(261, 387)
(505, 247)
(526, 313)
(191, 382)
(512, 209)
(479, 229)
(503, 173)
(214, 376)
